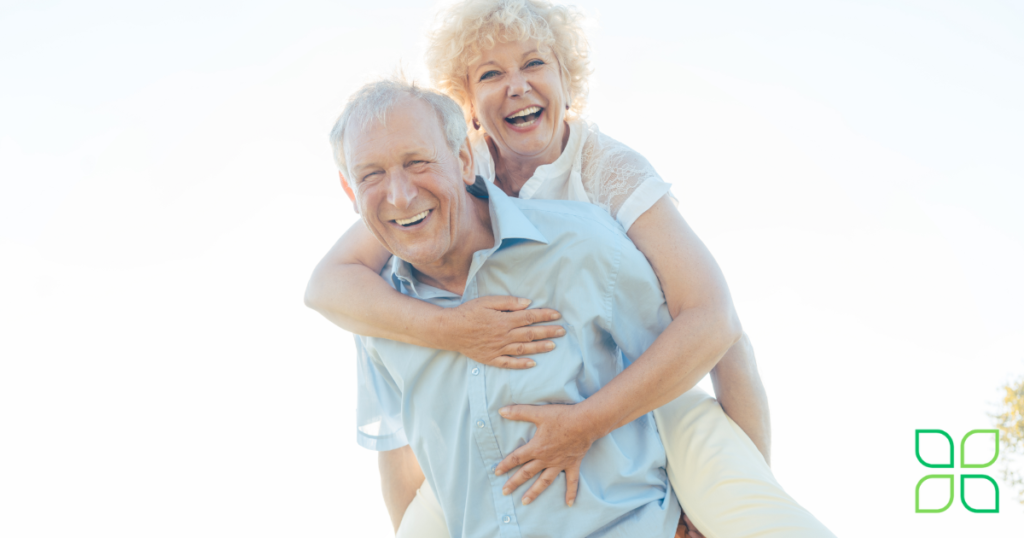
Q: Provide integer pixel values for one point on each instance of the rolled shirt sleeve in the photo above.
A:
(638, 309)
(379, 402)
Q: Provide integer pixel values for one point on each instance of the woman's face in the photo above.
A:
(516, 94)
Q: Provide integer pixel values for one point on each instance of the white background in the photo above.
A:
(166, 187)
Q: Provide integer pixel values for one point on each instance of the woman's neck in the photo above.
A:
(513, 171)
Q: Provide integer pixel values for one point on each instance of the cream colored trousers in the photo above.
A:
(719, 476)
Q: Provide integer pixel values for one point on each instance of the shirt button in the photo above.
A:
(506, 519)
(480, 423)
(476, 371)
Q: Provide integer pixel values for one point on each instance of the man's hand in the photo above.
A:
(563, 437)
(686, 529)
(491, 330)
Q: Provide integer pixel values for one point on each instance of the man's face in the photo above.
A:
(409, 187)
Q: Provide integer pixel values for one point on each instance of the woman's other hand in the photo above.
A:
(499, 331)
(563, 437)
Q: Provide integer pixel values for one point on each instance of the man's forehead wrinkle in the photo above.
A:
(378, 146)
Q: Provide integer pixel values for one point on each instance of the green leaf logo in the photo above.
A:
(917, 449)
(963, 450)
(917, 495)
(964, 477)
(950, 477)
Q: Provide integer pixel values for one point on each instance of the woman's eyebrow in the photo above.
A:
(488, 62)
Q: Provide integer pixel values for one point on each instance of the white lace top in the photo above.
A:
(594, 168)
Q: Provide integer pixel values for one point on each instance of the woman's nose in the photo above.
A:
(518, 86)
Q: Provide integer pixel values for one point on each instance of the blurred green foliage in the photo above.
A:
(1010, 421)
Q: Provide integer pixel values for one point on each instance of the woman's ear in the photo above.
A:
(348, 191)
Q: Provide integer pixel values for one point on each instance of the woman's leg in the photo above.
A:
(424, 517)
(720, 478)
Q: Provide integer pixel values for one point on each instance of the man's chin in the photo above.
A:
(419, 256)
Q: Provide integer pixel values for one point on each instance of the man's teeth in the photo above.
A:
(412, 219)
(525, 112)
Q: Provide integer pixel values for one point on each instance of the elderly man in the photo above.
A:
(454, 239)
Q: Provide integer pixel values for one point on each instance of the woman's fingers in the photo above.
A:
(545, 479)
(502, 303)
(533, 315)
(572, 483)
(525, 473)
(518, 457)
(528, 348)
(536, 332)
(512, 363)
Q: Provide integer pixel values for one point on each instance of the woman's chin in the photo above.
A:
(527, 144)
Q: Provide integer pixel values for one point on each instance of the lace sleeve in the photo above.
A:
(619, 179)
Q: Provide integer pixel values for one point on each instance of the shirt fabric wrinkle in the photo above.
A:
(416, 394)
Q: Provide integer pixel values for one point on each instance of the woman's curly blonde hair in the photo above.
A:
(467, 28)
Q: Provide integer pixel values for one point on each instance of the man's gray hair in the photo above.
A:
(373, 102)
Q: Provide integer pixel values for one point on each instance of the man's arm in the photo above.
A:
(400, 477)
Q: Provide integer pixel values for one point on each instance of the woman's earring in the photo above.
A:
(568, 103)
(476, 124)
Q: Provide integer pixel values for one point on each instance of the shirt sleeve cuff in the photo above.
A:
(642, 199)
(381, 443)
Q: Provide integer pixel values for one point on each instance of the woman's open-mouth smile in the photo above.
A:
(524, 119)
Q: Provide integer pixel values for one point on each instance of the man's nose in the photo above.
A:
(401, 191)
(518, 86)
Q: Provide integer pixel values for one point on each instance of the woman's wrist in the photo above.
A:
(435, 328)
(600, 416)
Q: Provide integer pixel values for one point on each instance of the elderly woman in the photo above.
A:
(519, 70)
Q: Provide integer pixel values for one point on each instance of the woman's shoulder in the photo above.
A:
(602, 153)
(612, 172)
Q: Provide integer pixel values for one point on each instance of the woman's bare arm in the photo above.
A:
(704, 327)
(739, 389)
(347, 289)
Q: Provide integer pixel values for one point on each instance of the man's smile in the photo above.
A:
(413, 220)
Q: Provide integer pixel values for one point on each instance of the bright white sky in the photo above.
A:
(166, 187)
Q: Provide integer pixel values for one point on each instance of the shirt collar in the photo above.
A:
(507, 220)
(508, 223)
(562, 167)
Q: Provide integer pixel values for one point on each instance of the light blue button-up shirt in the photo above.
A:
(569, 256)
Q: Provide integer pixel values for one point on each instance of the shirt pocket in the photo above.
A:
(557, 376)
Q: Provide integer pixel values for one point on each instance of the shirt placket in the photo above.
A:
(483, 434)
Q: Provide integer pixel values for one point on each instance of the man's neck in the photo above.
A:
(452, 270)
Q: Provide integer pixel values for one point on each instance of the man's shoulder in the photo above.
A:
(579, 219)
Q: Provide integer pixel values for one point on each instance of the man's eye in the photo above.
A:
(370, 174)
(489, 74)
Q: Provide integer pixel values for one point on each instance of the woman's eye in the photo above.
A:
(488, 75)
(534, 63)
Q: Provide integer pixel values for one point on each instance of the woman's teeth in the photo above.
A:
(525, 117)
(413, 219)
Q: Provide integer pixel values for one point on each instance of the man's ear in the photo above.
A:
(466, 161)
(348, 191)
